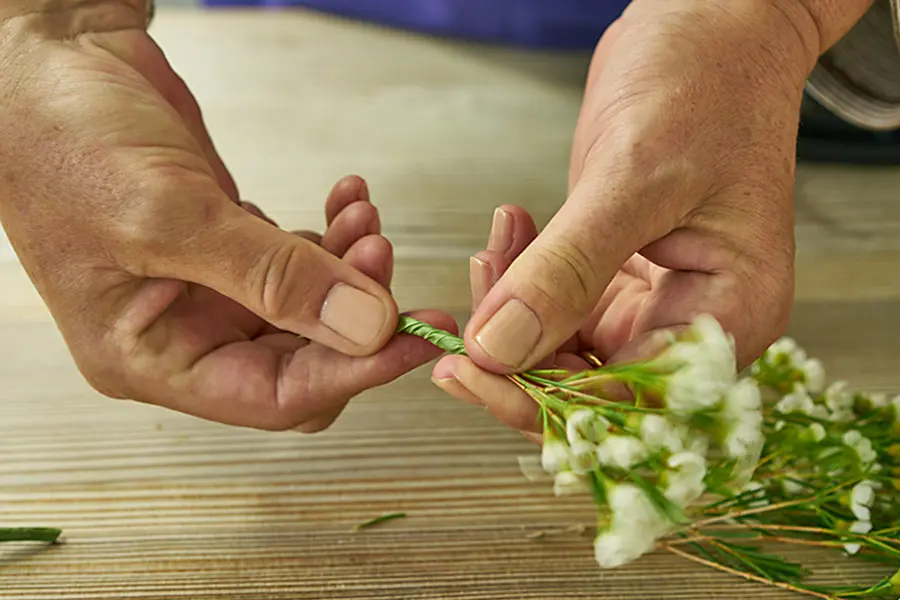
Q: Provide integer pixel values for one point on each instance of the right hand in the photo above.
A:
(165, 288)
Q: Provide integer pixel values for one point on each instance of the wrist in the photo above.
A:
(63, 19)
(782, 37)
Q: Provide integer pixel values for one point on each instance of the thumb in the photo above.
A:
(286, 280)
(551, 289)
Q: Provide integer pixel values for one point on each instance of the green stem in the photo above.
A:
(29, 534)
(444, 340)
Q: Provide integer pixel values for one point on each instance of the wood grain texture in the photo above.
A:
(160, 506)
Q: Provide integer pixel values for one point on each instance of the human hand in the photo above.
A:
(165, 288)
(681, 181)
(513, 230)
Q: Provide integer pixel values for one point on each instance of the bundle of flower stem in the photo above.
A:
(718, 468)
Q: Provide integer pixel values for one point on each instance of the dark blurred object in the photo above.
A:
(559, 24)
(852, 111)
(826, 138)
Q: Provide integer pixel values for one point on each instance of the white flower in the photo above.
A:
(838, 398)
(706, 367)
(743, 396)
(842, 416)
(685, 483)
(532, 470)
(798, 401)
(861, 445)
(860, 527)
(879, 400)
(787, 348)
(657, 432)
(743, 417)
(621, 452)
(554, 456)
(587, 425)
(583, 456)
(820, 412)
(861, 498)
(698, 444)
(635, 526)
(817, 432)
(568, 483)
(813, 374)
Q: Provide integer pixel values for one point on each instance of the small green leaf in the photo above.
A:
(29, 534)
(379, 520)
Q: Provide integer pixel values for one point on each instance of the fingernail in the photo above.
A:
(353, 314)
(509, 337)
(481, 279)
(501, 237)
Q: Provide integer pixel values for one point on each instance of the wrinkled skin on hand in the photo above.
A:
(680, 202)
(166, 288)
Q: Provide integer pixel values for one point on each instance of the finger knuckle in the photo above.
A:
(568, 278)
(284, 282)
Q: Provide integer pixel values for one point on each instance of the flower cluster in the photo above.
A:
(693, 426)
(831, 430)
(779, 451)
(710, 466)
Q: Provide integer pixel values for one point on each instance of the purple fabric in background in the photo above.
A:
(561, 24)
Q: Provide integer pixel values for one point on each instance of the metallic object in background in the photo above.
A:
(852, 110)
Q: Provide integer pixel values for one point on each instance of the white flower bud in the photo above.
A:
(743, 396)
(863, 493)
(861, 527)
(657, 432)
(813, 374)
(879, 400)
(861, 512)
(852, 548)
(862, 445)
(583, 457)
(585, 424)
(788, 349)
(621, 452)
(797, 401)
(706, 367)
(817, 432)
(568, 483)
(554, 456)
(861, 499)
(838, 398)
(635, 527)
(686, 478)
(531, 469)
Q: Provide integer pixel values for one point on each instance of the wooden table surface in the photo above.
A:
(157, 505)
